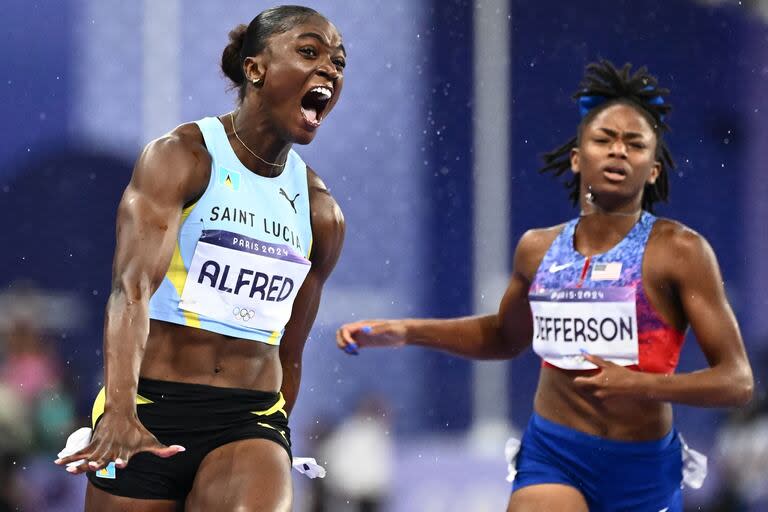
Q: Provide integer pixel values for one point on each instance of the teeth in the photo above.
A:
(323, 91)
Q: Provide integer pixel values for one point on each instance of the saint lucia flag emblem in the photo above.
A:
(107, 472)
(230, 179)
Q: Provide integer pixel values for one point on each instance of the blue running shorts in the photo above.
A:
(612, 475)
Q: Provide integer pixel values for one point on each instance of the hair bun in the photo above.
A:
(230, 59)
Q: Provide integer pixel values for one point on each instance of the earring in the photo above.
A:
(589, 196)
(256, 81)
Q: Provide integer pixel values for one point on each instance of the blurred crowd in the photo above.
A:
(37, 407)
(741, 453)
(358, 454)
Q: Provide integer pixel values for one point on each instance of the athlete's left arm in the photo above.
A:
(327, 240)
(692, 269)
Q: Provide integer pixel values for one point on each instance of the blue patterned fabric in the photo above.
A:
(564, 267)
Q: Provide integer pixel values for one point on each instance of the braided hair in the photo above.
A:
(605, 85)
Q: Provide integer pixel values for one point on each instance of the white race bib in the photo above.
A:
(243, 280)
(601, 321)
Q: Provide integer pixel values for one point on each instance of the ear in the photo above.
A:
(254, 68)
(655, 171)
(575, 156)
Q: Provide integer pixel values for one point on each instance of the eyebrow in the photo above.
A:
(315, 35)
(627, 135)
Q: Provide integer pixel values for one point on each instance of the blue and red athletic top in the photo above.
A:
(604, 275)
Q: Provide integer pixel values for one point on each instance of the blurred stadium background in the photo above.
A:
(432, 154)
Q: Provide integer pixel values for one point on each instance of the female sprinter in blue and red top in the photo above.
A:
(605, 299)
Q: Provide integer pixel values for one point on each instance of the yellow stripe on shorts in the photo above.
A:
(101, 400)
(278, 407)
(266, 425)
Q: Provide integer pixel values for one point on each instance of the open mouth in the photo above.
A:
(314, 103)
(614, 173)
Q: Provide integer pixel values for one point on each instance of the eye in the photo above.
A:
(638, 145)
(601, 140)
(308, 51)
(340, 63)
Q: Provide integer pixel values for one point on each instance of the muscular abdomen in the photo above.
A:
(184, 354)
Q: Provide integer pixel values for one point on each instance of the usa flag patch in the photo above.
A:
(606, 271)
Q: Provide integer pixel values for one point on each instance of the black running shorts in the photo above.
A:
(200, 418)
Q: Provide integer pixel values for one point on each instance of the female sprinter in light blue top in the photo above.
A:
(224, 240)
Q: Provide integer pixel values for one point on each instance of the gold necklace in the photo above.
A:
(231, 117)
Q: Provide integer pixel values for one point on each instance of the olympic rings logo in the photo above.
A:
(243, 314)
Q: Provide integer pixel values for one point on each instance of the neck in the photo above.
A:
(258, 135)
(592, 203)
(599, 229)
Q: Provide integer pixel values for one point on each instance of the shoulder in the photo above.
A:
(184, 144)
(177, 159)
(532, 247)
(326, 212)
(327, 219)
(671, 236)
(539, 239)
(677, 249)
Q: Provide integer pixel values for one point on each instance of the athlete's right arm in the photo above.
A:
(170, 172)
(500, 336)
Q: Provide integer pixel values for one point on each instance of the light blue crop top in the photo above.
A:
(242, 250)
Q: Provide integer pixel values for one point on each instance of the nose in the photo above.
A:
(618, 150)
(328, 70)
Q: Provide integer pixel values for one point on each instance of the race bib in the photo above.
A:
(601, 321)
(243, 280)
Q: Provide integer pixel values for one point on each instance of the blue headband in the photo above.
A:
(587, 103)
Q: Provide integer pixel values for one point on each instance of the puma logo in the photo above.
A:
(292, 201)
